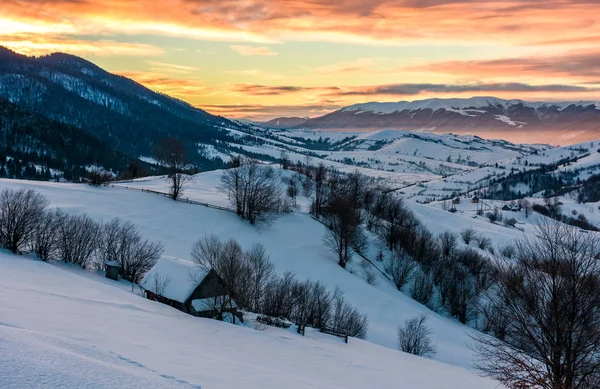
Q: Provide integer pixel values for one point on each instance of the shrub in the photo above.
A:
(415, 337)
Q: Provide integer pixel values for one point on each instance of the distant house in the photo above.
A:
(475, 200)
(456, 200)
(112, 269)
(184, 286)
(505, 207)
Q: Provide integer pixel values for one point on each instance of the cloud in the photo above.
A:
(405, 89)
(276, 90)
(382, 22)
(252, 50)
(577, 64)
(416, 89)
(184, 88)
(32, 44)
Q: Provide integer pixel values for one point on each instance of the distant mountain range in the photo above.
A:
(120, 113)
(474, 115)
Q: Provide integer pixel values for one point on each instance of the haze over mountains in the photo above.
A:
(488, 117)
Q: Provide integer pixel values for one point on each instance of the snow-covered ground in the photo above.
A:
(294, 243)
(62, 329)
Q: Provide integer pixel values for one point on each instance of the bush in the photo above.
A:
(422, 289)
(508, 251)
(20, 213)
(468, 235)
(495, 216)
(483, 243)
(510, 222)
(415, 337)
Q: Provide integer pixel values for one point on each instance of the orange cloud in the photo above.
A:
(252, 50)
(578, 65)
(354, 21)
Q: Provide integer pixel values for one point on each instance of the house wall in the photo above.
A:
(164, 300)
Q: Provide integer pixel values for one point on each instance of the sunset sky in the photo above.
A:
(262, 59)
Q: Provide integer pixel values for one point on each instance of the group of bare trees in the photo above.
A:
(27, 225)
(248, 278)
(544, 313)
(342, 210)
(254, 189)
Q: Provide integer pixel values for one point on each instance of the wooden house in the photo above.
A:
(456, 200)
(112, 269)
(475, 200)
(183, 285)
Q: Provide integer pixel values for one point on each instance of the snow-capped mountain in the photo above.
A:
(479, 115)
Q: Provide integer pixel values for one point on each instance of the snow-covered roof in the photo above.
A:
(112, 263)
(175, 278)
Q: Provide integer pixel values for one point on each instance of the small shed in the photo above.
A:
(183, 285)
(475, 200)
(112, 269)
(456, 200)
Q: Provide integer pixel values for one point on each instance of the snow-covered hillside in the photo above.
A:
(294, 243)
(65, 328)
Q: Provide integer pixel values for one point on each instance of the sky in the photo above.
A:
(264, 59)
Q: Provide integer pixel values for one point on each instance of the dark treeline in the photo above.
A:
(28, 139)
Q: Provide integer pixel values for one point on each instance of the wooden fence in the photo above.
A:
(185, 200)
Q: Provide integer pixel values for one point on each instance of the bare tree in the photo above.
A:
(120, 241)
(20, 212)
(549, 295)
(254, 190)
(292, 189)
(495, 216)
(400, 266)
(284, 160)
(45, 239)
(77, 239)
(227, 259)
(347, 320)
(344, 217)
(393, 215)
(172, 155)
(277, 299)
(525, 206)
(160, 283)
(261, 271)
(422, 289)
(320, 179)
(415, 337)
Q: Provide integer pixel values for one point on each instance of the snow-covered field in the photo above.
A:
(77, 328)
(61, 329)
(294, 243)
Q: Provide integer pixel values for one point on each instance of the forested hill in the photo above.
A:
(118, 111)
(35, 147)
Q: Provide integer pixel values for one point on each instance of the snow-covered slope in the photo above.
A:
(294, 243)
(61, 328)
